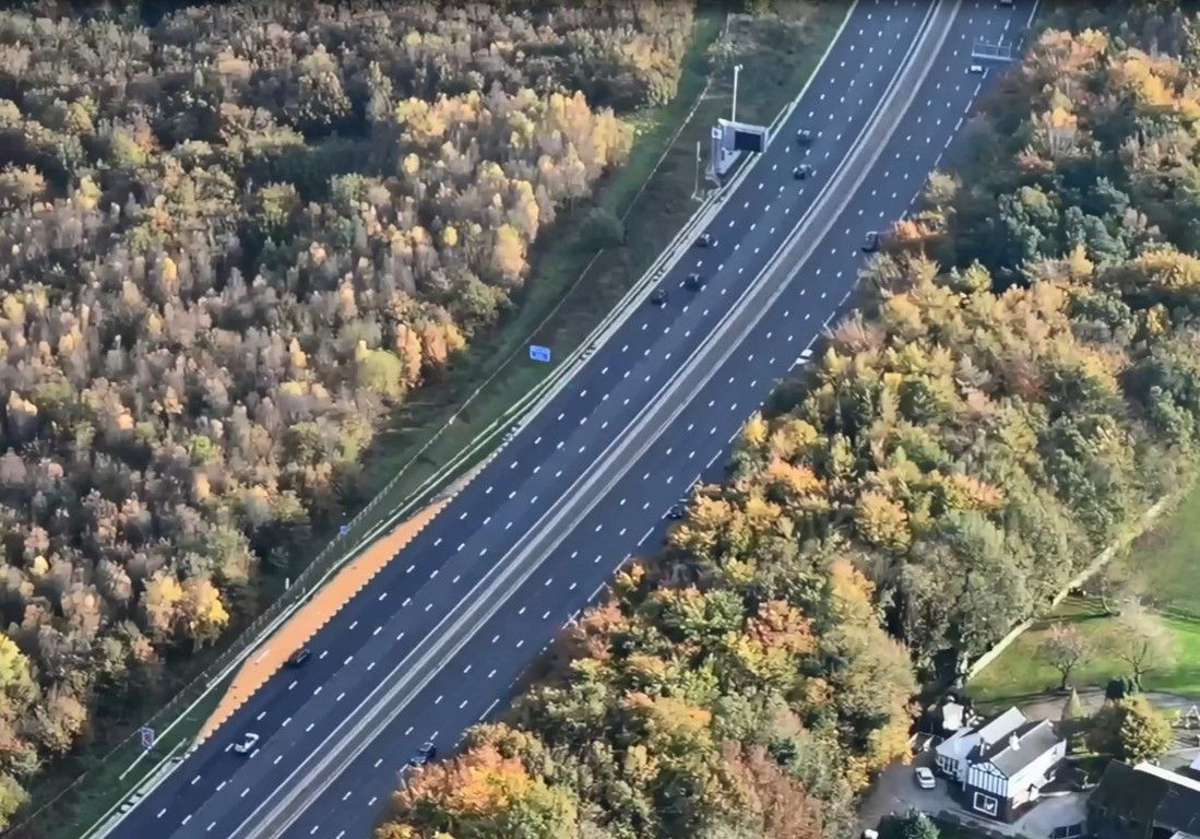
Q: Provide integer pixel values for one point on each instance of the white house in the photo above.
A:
(951, 753)
(1002, 765)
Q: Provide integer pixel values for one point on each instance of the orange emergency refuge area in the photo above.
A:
(292, 635)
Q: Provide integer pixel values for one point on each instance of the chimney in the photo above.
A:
(1014, 742)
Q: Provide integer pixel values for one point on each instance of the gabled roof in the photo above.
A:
(1179, 808)
(1034, 739)
(1150, 794)
(961, 743)
(1125, 791)
(1000, 726)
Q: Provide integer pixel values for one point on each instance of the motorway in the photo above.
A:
(434, 642)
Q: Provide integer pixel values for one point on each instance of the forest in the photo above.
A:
(233, 241)
(1019, 381)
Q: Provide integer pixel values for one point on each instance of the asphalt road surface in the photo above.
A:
(435, 642)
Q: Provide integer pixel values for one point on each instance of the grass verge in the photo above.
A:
(82, 804)
(561, 307)
(1162, 565)
(565, 299)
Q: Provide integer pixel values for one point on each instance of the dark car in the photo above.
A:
(871, 242)
(802, 171)
(706, 240)
(423, 755)
(299, 657)
(694, 282)
(659, 297)
(676, 512)
(804, 136)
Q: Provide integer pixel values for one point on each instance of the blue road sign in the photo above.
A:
(541, 354)
(146, 734)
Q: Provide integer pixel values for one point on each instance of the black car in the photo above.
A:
(802, 171)
(804, 136)
(659, 297)
(676, 511)
(423, 755)
(694, 282)
(299, 657)
(871, 242)
(706, 240)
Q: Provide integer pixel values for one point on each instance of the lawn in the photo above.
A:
(1162, 567)
(1165, 563)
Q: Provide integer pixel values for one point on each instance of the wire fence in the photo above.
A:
(366, 525)
(355, 534)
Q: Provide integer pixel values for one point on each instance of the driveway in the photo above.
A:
(896, 792)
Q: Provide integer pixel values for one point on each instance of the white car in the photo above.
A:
(246, 745)
(977, 69)
(925, 779)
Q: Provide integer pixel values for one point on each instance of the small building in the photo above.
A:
(953, 716)
(1001, 766)
(1144, 802)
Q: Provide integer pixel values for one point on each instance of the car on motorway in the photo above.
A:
(804, 136)
(977, 69)
(675, 512)
(659, 297)
(924, 777)
(706, 240)
(802, 171)
(298, 658)
(871, 241)
(423, 755)
(694, 282)
(246, 745)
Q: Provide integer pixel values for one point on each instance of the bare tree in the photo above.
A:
(1064, 648)
(1140, 640)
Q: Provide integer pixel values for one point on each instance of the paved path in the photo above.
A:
(896, 792)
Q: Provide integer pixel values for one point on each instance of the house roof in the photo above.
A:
(961, 742)
(1123, 790)
(1179, 808)
(1001, 725)
(1033, 739)
(1151, 794)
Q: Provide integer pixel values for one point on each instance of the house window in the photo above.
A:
(986, 804)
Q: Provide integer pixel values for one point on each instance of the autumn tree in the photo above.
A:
(1130, 729)
(234, 243)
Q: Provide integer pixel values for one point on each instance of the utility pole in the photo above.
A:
(737, 68)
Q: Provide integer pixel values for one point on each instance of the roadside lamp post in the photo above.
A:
(737, 68)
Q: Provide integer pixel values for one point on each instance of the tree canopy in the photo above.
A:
(1017, 385)
(233, 241)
